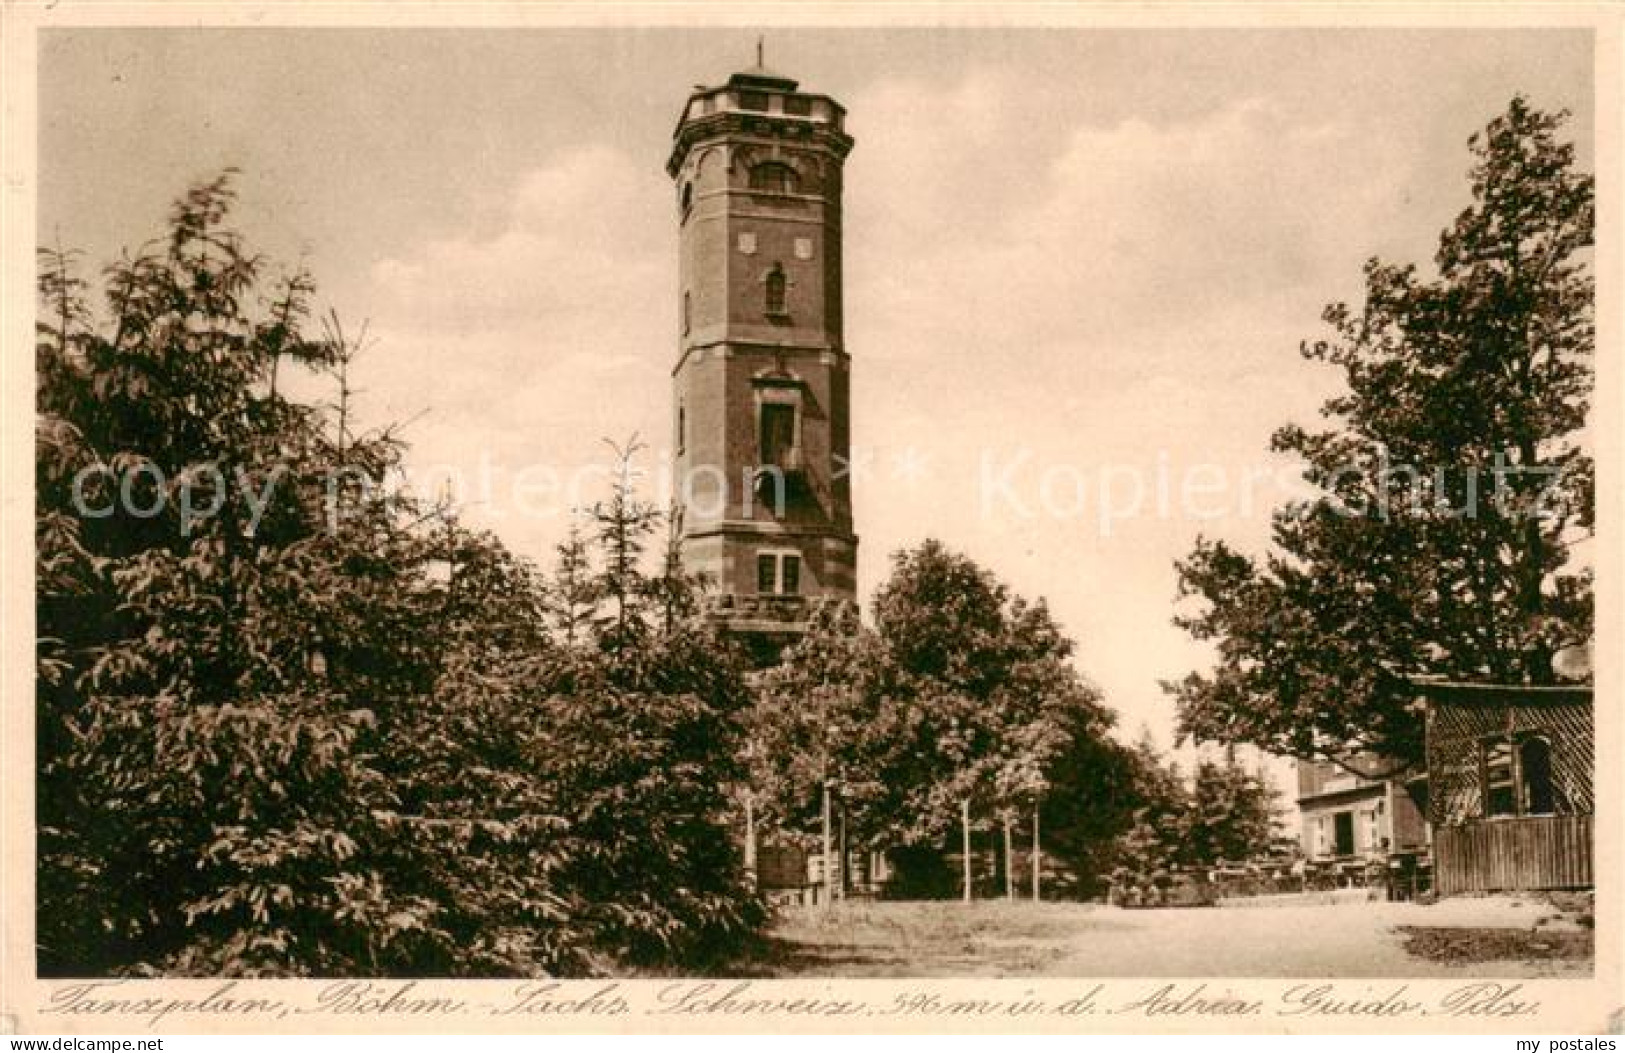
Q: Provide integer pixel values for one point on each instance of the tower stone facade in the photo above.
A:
(762, 383)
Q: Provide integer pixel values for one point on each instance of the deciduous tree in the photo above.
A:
(1452, 479)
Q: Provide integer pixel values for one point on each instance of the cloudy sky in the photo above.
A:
(1078, 268)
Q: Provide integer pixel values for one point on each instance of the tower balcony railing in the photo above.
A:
(789, 608)
(778, 616)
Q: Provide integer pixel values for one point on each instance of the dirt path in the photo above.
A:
(1329, 939)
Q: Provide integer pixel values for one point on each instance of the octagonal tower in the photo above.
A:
(762, 383)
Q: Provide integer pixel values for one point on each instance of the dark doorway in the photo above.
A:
(1343, 829)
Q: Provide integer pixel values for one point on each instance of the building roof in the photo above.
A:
(1440, 689)
(760, 76)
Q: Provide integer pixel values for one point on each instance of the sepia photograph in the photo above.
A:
(660, 511)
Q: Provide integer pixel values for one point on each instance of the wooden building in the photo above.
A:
(1510, 786)
(1358, 809)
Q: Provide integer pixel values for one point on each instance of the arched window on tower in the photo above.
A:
(775, 177)
(775, 285)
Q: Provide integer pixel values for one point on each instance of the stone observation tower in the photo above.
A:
(762, 384)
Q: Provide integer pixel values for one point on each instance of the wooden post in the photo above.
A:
(1009, 862)
(750, 839)
(1038, 856)
(964, 825)
(840, 857)
(829, 849)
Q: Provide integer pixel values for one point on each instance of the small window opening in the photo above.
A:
(1535, 764)
(778, 574)
(774, 177)
(1500, 788)
(778, 434)
(775, 285)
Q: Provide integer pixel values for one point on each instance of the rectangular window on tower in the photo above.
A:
(778, 574)
(778, 435)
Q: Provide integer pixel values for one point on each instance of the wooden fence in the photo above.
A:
(1535, 852)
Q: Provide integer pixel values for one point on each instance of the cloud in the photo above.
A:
(581, 244)
(1120, 233)
(528, 344)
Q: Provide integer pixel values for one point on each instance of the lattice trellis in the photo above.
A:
(1457, 729)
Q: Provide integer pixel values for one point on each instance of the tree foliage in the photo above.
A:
(1222, 814)
(959, 692)
(1452, 478)
(290, 721)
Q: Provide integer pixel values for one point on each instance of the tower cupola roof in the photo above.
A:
(758, 102)
(761, 78)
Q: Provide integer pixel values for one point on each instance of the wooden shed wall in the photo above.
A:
(1537, 852)
(1476, 853)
